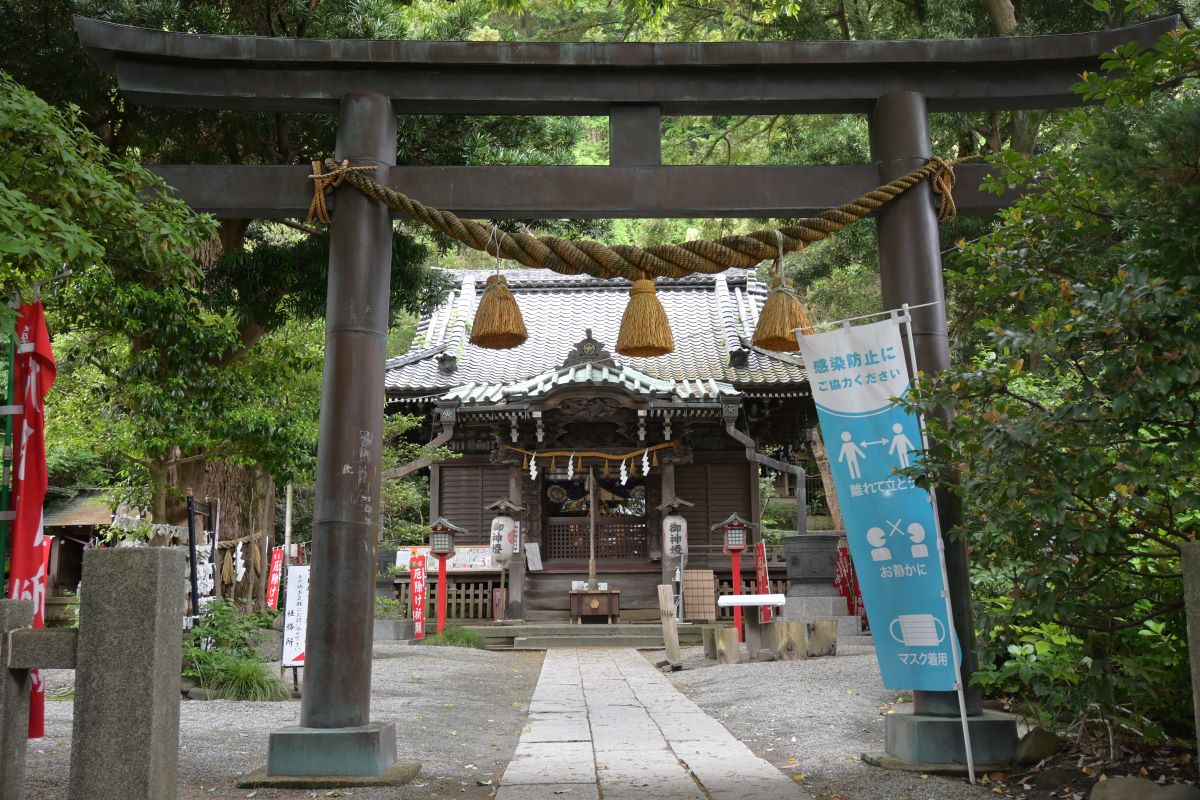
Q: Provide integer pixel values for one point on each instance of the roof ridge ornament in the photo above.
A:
(588, 350)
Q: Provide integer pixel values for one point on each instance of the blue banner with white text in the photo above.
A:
(855, 373)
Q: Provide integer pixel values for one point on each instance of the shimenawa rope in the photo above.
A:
(628, 261)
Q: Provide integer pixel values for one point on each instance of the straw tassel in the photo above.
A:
(645, 330)
(498, 322)
(227, 575)
(781, 315)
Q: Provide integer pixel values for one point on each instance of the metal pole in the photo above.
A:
(195, 581)
(337, 674)
(736, 557)
(911, 272)
(941, 546)
(442, 592)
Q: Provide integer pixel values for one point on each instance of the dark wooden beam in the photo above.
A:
(569, 192)
(277, 74)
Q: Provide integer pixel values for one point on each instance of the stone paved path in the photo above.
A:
(603, 723)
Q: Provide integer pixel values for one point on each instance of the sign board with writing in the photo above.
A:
(275, 576)
(465, 559)
(765, 613)
(295, 622)
(890, 522)
(533, 556)
(416, 576)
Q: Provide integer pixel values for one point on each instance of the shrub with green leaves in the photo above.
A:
(227, 676)
(454, 636)
(1075, 437)
(219, 654)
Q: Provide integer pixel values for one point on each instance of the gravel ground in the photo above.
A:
(458, 711)
(813, 719)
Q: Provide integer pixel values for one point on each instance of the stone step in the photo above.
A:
(859, 640)
(503, 636)
(585, 640)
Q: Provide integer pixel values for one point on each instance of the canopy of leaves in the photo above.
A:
(70, 204)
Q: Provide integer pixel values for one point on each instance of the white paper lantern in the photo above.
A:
(504, 537)
(674, 536)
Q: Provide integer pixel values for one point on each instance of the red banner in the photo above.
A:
(416, 577)
(765, 613)
(275, 576)
(846, 582)
(32, 378)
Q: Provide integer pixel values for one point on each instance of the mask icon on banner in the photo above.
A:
(918, 630)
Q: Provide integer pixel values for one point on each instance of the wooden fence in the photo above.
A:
(469, 597)
(749, 586)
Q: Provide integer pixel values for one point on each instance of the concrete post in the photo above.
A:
(125, 735)
(14, 703)
(910, 268)
(1190, 557)
(911, 272)
(336, 736)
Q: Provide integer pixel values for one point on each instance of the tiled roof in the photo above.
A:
(710, 316)
(592, 374)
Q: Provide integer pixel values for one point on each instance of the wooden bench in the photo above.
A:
(785, 640)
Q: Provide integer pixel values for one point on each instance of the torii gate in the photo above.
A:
(895, 83)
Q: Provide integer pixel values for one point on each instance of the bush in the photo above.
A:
(232, 677)
(388, 608)
(219, 654)
(223, 628)
(454, 636)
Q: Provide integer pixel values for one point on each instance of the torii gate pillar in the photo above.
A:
(911, 272)
(336, 735)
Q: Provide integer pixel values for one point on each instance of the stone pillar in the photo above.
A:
(14, 703)
(910, 270)
(1190, 556)
(335, 735)
(125, 734)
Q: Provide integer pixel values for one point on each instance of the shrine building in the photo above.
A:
(688, 430)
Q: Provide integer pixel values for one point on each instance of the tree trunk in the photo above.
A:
(1002, 14)
(1024, 126)
(158, 480)
(821, 456)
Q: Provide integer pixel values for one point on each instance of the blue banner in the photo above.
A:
(855, 373)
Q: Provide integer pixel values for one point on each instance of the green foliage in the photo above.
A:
(777, 520)
(453, 636)
(1075, 442)
(232, 677)
(223, 627)
(70, 204)
(219, 653)
(388, 608)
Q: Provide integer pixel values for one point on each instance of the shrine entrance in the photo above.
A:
(621, 531)
(896, 84)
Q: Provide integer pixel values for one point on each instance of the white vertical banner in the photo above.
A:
(295, 623)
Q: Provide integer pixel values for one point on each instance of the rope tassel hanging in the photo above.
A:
(783, 312)
(645, 330)
(498, 322)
